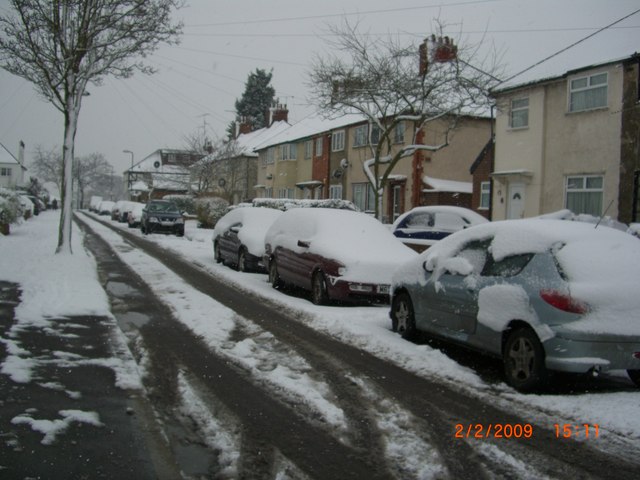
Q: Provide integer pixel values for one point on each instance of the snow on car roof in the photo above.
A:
(602, 264)
(352, 238)
(255, 223)
(473, 217)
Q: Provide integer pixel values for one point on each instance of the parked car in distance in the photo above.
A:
(238, 237)
(135, 214)
(120, 211)
(335, 254)
(421, 227)
(543, 295)
(162, 216)
(105, 207)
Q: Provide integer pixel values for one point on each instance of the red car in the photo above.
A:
(335, 254)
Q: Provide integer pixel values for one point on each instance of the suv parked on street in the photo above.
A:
(162, 216)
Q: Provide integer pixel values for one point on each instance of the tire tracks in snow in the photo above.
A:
(436, 408)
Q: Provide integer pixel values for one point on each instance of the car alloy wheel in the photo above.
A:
(319, 294)
(403, 319)
(524, 360)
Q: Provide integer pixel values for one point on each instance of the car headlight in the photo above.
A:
(153, 219)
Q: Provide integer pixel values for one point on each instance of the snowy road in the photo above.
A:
(273, 385)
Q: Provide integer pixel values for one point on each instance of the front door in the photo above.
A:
(515, 201)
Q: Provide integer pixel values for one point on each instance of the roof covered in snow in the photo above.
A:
(6, 157)
(601, 49)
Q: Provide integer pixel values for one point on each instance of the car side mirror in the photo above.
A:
(304, 244)
(428, 266)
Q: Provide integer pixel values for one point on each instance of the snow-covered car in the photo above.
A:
(238, 237)
(120, 211)
(543, 295)
(135, 214)
(421, 227)
(336, 254)
(105, 207)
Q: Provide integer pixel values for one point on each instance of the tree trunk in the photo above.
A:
(66, 213)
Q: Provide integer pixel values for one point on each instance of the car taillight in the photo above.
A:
(563, 301)
(636, 355)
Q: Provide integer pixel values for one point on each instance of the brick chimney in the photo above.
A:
(280, 114)
(244, 126)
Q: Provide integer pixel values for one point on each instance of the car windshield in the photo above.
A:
(163, 207)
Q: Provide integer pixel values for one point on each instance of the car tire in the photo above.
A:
(319, 293)
(274, 277)
(403, 319)
(523, 358)
(634, 375)
(242, 258)
(143, 229)
(216, 253)
(180, 233)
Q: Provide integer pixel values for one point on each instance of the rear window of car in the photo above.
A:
(419, 220)
(507, 267)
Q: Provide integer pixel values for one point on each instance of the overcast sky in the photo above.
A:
(199, 80)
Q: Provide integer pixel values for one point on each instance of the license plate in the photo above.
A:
(383, 289)
(166, 224)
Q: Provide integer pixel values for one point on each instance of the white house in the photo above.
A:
(12, 169)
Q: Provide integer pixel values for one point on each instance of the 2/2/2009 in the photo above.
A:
(498, 430)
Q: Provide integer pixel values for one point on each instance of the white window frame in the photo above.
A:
(270, 156)
(360, 134)
(288, 151)
(319, 142)
(365, 191)
(335, 192)
(519, 110)
(5, 172)
(584, 189)
(308, 149)
(337, 141)
(588, 89)
(485, 196)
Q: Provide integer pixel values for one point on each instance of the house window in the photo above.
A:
(364, 196)
(587, 93)
(519, 115)
(270, 156)
(308, 149)
(319, 147)
(286, 193)
(268, 192)
(337, 141)
(398, 133)
(5, 172)
(485, 195)
(288, 151)
(584, 194)
(360, 136)
(375, 134)
(335, 191)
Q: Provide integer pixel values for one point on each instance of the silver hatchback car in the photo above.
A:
(541, 294)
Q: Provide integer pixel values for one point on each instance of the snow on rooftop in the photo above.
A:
(608, 46)
(6, 156)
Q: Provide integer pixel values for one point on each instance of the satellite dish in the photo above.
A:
(337, 173)
(156, 164)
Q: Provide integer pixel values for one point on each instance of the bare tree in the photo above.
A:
(47, 164)
(89, 172)
(62, 46)
(389, 83)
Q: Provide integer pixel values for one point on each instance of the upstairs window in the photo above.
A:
(485, 195)
(519, 114)
(270, 156)
(308, 149)
(398, 133)
(337, 141)
(319, 147)
(288, 151)
(587, 93)
(360, 136)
